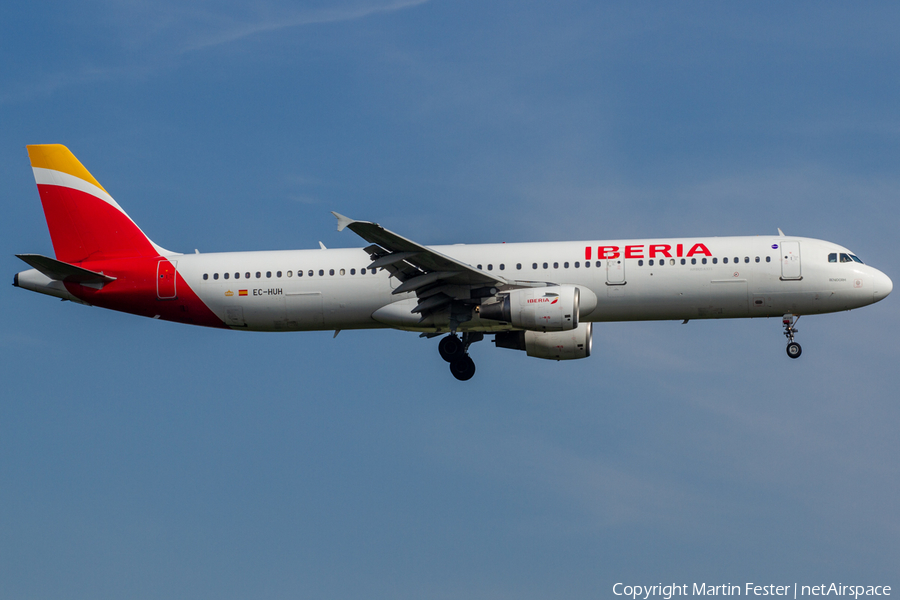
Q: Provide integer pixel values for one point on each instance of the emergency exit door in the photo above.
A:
(615, 271)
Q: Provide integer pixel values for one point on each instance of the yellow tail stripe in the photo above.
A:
(58, 158)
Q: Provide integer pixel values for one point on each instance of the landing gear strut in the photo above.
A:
(456, 352)
(793, 348)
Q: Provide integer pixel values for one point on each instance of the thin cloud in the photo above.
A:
(238, 31)
(53, 82)
(157, 42)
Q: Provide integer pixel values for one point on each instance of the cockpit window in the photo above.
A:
(845, 258)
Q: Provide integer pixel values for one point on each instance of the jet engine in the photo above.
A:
(551, 345)
(555, 308)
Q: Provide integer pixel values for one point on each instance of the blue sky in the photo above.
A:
(143, 459)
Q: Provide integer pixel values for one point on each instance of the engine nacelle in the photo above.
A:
(551, 345)
(554, 308)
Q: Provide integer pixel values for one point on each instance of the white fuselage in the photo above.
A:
(739, 277)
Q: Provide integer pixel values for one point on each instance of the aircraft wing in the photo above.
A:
(413, 264)
(440, 282)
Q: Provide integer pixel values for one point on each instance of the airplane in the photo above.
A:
(541, 298)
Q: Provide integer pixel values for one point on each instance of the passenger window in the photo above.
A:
(693, 261)
(757, 259)
(545, 265)
(353, 271)
(215, 275)
(237, 275)
(321, 272)
(269, 274)
(534, 265)
(278, 274)
(715, 260)
(205, 276)
(683, 261)
(246, 275)
(577, 264)
(225, 275)
(343, 272)
(650, 262)
(490, 267)
(768, 259)
(640, 263)
(556, 265)
(746, 259)
(518, 266)
(362, 271)
(565, 265)
(299, 273)
(258, 274)
(597, 264)
(724, 260)
(587, 264)
(704, 260)
(502, 267)
(736, 260)
(672, 261)
(331, 271)
(479, 267)
(290, 273)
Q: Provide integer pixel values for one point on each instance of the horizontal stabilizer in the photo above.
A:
(61, 271)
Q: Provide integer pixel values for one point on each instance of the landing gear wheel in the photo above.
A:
(793, 348)
(463, 368)
(451, 348)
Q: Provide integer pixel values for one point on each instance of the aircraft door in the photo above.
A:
(304, 310)
(790, 260)
(165, 279)
(615, 271)
(234, 317)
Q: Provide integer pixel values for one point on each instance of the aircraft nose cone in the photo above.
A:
(882, 286)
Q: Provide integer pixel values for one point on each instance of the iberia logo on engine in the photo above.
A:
(548, 299)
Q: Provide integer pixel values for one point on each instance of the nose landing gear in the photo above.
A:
(793, 348)
(456, 352)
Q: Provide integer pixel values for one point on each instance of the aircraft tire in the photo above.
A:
(794, 350)
(463, 368)
(450, 348)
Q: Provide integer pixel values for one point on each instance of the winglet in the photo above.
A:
(780, 232)
(342, 220)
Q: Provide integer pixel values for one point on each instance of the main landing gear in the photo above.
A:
(456, 352)
(793, 348)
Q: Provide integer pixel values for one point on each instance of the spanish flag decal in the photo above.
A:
(242, 292)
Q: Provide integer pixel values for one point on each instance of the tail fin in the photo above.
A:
(85, 222)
